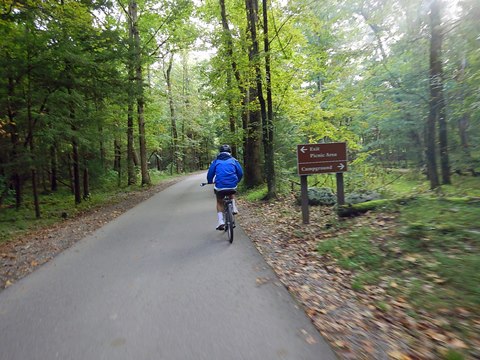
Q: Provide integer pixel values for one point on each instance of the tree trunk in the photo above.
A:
(252, 149)
(75, 150)
(76, 169)
(253, 172)
(132, 160)
(437, 102)
(416, 140)
(86, 183)
(187, 150)
(173, 119)
(232, 119)
(12, 126)
(117, 162)
(102, 152)
(131, 155)
(33, 170)
(227, 36)
(430, 138)
(139, 93)
(53, 168)
(268, 121)
(230, 101)
(464, 121)
(143, 145)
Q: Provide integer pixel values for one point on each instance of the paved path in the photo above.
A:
(157, 283)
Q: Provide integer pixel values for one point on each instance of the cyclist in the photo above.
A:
(226, 172)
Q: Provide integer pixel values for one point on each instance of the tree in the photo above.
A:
(268, 128)
(253, 173)
(437, 102)
(139, 93)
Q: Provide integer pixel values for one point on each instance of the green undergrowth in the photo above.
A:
(417, 245)
(430, 253)
(252, 195)
(55, 207)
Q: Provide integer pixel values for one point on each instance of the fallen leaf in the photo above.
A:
(458, 344)
(436, 336)
(411, 259)
(398, 355)
(261, 280)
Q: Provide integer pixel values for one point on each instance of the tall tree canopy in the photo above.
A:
(89, 88)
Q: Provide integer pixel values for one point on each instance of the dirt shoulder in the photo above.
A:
(24, 254)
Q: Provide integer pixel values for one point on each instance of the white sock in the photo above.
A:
(220, 218)
(234, 205)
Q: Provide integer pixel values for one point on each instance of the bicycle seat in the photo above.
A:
(226, 192)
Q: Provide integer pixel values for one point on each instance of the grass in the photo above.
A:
(15, 222)
(353, 252)
(256, 194)
(435, 245)
(433, 250)
(429, 255)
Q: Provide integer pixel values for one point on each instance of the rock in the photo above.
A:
(362, 196)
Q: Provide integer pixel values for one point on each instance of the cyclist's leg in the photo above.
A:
(234, 203)
(219, 204)
(221, 221)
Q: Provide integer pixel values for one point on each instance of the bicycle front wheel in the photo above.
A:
(229, 223)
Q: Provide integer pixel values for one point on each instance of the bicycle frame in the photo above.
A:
(227, 213)
(228, 216)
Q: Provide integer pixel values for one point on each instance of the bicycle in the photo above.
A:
(228, 214)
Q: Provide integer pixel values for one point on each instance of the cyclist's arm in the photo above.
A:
(211, 172)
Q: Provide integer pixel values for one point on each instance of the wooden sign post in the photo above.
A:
(321, 159)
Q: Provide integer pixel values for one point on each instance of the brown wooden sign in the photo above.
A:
(321, 158)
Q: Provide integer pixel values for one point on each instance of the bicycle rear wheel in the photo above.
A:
(229, 222)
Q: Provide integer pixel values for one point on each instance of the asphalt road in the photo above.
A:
(157, 283)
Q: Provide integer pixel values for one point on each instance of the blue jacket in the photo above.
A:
(226, 170)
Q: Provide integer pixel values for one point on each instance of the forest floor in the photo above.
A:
(366, 324)
(376, 320)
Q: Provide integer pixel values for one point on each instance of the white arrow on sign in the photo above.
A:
(303, 149)
(341, 166)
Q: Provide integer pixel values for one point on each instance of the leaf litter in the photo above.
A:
(368, 324)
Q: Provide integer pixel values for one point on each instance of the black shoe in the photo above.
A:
(221, 227)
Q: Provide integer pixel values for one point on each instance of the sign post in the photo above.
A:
(321, 159)
(304, 199)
